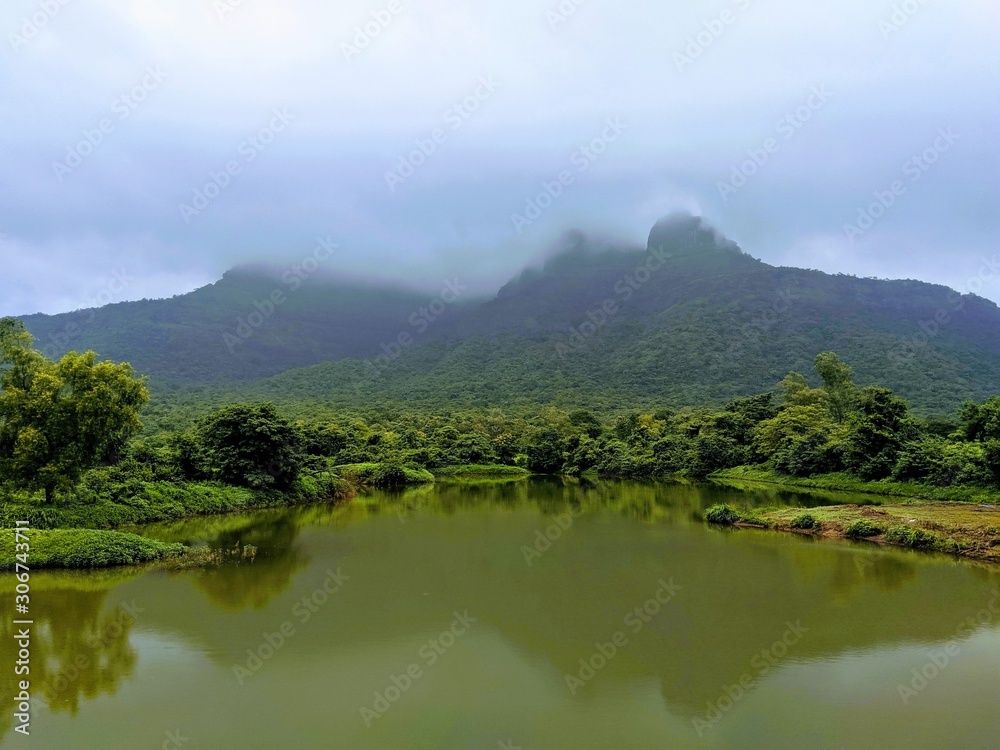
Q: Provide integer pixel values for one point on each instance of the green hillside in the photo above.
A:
(256, 321)
(691, 319)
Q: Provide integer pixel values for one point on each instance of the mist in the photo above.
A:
(444, 141)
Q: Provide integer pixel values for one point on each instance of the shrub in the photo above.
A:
(907, 536)
(86, 548)
(805, 521)
(723, 515)
(861, 528)
(389, 475)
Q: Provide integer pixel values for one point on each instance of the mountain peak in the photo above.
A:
(683, 234)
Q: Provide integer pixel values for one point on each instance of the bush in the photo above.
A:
(861, 529)
(389, 475)
(86, 548)
(724, 515)
(384, 475)
(805, 521)
(252, 446)
(907, 536)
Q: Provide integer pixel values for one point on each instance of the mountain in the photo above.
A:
(689, 319)
(256, 321)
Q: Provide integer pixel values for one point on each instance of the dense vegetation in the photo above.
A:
(691, 319)
(86, 548)
(854, 434)
(607, 361)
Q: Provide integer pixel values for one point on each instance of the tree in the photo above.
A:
(838, 380)
(798, 392)
(57, 419)
(252, 446)
(878, 430)
(799, 440)
(545, 452)
(981, 423)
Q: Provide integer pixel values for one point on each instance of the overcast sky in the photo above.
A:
(780, 121)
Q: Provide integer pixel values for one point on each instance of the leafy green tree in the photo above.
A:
(798, 393)
(545, 452)
(800, 440)
(981, 423)
(878, 430)
(839, 384)
(57, 419)
(584, 420)
(713, 452)
(250, 445)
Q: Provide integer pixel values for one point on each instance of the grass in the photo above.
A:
(862, 528)
(956, 528)
(76, 531)
(722, 515)
(847, 483)
(384, 475)
(85, 548)
(804, 521)
(481, 470)
(152, 502)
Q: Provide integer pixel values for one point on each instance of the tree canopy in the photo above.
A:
(58, 419)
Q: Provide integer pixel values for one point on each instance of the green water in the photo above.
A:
(420, 615)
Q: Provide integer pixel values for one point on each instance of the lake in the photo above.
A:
(540, 614)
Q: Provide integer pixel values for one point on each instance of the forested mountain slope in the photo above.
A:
(691, 319)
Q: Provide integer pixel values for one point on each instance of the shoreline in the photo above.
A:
(961, 525)
(108, 534)
(959, 521)
(957, 529)
(845, 483)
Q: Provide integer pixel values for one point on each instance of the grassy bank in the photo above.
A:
(85, 548)
(151, 502)
(956, 528)
(481, 470)
(383, 475)
(77, 532)
(849, 483)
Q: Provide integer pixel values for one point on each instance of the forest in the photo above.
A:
(71, 434)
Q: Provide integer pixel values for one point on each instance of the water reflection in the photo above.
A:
(240, 584)
(601, 550)
(80, 647)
